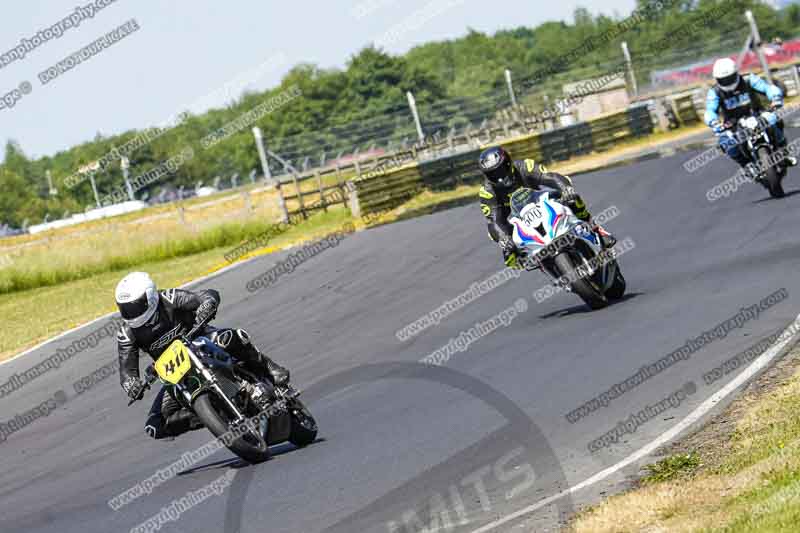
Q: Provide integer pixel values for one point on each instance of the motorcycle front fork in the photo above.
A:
(556, 280)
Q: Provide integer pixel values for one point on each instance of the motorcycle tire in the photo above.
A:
(585, 290)
(216, 423)
(771, 178)
(304, 427)
(617, 288)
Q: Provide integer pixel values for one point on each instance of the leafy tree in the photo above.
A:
(457, 82)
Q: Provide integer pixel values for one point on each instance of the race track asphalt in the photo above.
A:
(404, 446)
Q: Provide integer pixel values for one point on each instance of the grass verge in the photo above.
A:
(739, 473)
(34, 315)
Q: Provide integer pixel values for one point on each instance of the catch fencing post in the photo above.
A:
(54, 192)
(629, 65)
(94, 190)
(412, 103)
(757, 44)
(125, 165)
(262, 154)
(511, 89)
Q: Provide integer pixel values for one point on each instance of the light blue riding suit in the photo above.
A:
(732, 105)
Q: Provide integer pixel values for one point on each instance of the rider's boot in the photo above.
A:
(279, 374)
(256, 362)
(238, 344)
(512, 259)
(607, 239)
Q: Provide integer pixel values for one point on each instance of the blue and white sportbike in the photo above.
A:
(568, 250)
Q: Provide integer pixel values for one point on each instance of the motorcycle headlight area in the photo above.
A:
(581, 229)
(751, 123)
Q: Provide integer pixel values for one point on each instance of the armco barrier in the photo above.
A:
(685, 109)
(382, 191)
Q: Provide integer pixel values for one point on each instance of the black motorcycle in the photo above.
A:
(247, 413)
(759, 146)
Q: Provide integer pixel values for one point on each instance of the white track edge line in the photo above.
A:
(665, 437)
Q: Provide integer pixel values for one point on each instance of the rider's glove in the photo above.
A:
(510, 254)
(568, 194)
(776, 104)
(134, 387)
(512, 260)
(507, 244)
(719, 127)
(728, 141)
(206, 312)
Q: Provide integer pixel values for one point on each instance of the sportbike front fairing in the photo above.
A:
(564, 247)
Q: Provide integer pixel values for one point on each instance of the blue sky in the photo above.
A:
(186, 51)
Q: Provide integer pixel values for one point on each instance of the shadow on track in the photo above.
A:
(235, 462)
(581, 309)
(768, 198)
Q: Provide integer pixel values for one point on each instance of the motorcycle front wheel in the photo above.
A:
(304, 427)
(249, 446)
(771, 177)
(581, 286)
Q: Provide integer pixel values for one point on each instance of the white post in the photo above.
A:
(262, 154)
(511, 89)
(631, 73)
(413, 105)
(125, 164)
(748, 44)
(53, 191)
(757, 44)
(94, 189)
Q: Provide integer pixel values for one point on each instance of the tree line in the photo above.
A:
(455, 83)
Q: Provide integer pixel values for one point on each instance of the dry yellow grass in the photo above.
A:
(743, 469)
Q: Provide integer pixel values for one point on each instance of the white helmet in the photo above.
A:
(137, 298)
(726, 73)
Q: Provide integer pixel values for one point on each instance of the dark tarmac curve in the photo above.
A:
(393, 440)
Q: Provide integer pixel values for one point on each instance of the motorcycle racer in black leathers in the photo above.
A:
(503, 176)
(152, 320)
